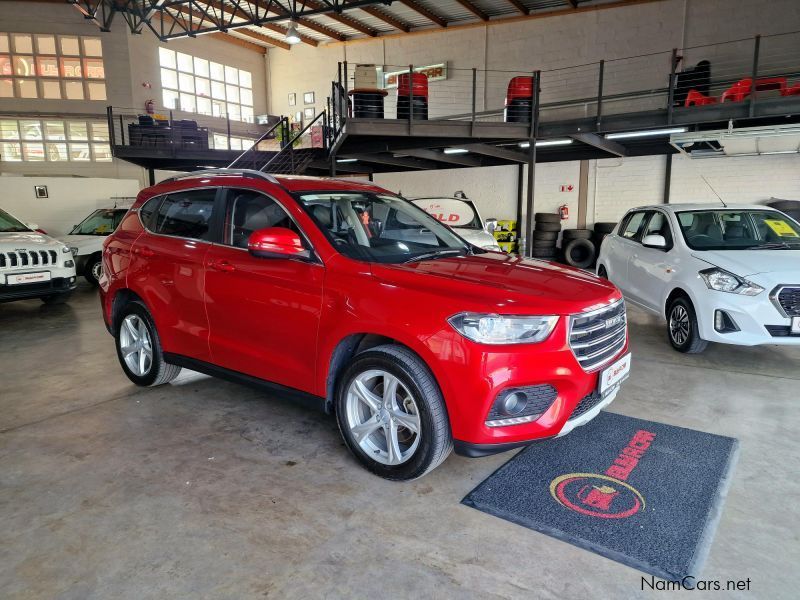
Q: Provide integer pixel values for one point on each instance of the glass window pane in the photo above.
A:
(51, 90)
(201, 67)
(203, 106)
(93, 68)
(74, 90)
(202, 87)
(217, 108)
(232, 93)
(170, 99)
(30, 130)
(71, 68)
(97, 91)
(4, 42)
(247, 114)
(217, 90)
(245, 79)
(99, 132)
(166, 58)
(56, 152)
(10, 151)
(33, 151)
(26, 88)
(23, 43)
(79, 152)
(5, 65)
(92, 47)
(6, 88)
(187, 102)
(246, 97)
(70, 46)
(102, 152)
(169, 79)
(45, 44)
(47, 67)
(236, 144)
(184, 62)
(24, 66)
(9, 130)
(78, 130)
(220, 142)
(231, 75)
(54, 130)
(186, 82)
(186, 214)
(217, 71)
(234, 111)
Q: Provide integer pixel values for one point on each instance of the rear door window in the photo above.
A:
(187, 214)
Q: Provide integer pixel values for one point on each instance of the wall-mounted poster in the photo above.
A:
(292, 99)
(309, 113)
(308, 98)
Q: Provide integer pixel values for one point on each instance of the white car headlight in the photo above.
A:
(499, 329)
(724, 281)
(72, 249)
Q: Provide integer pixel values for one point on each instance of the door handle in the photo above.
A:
(146, 252)
(221, 265)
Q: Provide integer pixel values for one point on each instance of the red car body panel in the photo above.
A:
(281, 320)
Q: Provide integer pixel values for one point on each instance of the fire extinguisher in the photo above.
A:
(563, 210)
(150, 107)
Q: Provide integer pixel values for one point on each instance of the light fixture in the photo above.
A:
(456, 151)
(346, 160)
(543, 143)
(645, 133)
(292, 37)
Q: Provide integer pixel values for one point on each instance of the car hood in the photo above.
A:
(745, 263)
(17, 240)
(503, 283)
(81, 242)
(477, 237)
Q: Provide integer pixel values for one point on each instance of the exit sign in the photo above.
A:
(567, 187)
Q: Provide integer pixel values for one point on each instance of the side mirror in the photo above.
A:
(654, 241)
(276, 242)
(491, 225)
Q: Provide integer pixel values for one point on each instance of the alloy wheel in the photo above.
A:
(135, 345)
(97, 270)
(383, 417)
(679, 325)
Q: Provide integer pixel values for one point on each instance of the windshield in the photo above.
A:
(381, 228)
(9, 224)
(739, 230)
(452, 211)
(100, 222)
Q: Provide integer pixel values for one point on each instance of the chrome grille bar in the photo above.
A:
(597, 336)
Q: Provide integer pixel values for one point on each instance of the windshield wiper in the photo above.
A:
(435, 254)
(773, 246)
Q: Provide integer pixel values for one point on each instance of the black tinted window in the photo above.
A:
(250, 211)
(186, 214)
(147, 213)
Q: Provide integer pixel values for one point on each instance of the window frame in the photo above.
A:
(214, 222)
(637, 237)
(670, 240)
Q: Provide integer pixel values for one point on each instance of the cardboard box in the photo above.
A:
(365, 77)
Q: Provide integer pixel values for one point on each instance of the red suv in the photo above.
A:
(344, 293)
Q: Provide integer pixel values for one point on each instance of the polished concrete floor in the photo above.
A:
(205, 489)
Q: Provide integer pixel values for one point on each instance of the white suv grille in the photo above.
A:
(25, 259)
(596, 337)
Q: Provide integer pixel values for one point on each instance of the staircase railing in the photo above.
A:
(268, 142)
(297, 152)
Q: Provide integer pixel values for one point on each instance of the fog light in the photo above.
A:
(515, 403)
(515, 406)
(724, 323)
(69, 263)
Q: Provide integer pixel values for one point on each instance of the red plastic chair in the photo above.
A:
(695, 98)
(792, 91)
(742, 88)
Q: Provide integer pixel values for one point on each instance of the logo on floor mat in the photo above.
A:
(607, 496)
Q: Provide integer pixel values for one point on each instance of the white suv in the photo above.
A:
(86, 241)
(728, 274)
(33, 265)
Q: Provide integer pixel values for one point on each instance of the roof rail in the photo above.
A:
(242, 172)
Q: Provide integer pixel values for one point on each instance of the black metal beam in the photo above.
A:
(453, 159)
(395, 161)
(601, 143)
(497, 152)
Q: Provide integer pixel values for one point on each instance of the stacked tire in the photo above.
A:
(577, 248)
(545, 235)
(601, 230)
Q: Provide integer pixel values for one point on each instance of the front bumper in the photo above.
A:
(56, 285)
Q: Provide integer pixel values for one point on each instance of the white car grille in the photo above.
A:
(25, 259)
(596, 337)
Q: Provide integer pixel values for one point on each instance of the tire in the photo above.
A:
(579, 253)
(59, 298)
(158, 372)
(688, 340)
(428, 447)
(604, 228)
(547, 217)
(576, 234)
(93, 269)
(548, 227)
(546, 253)
(544, 244)
(539, 235)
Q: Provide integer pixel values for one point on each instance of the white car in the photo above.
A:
(32, 264)
(462, 215)
(727, 274)
(86, 241)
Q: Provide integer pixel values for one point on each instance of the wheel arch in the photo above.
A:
(122, 298)
(677, 292)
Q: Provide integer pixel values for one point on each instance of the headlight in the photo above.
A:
(494, 247)
(73, 249)
(499, 329)
(724, 281)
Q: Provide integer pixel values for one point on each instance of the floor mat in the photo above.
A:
(642, 493)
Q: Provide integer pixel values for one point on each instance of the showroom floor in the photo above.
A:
(207, 489)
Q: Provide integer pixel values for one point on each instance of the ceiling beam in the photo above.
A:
(387, 18)
(601, 143)
(308, 23)
(344, 20)
(433, 18)
(394, 161)
(474, 9)
(573, 3)
(453, 159)
(249, 45)
(519, 6)
(184, 10)
(498, 152)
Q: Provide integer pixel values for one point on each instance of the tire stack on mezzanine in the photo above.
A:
(577, 248)
(545, 235)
